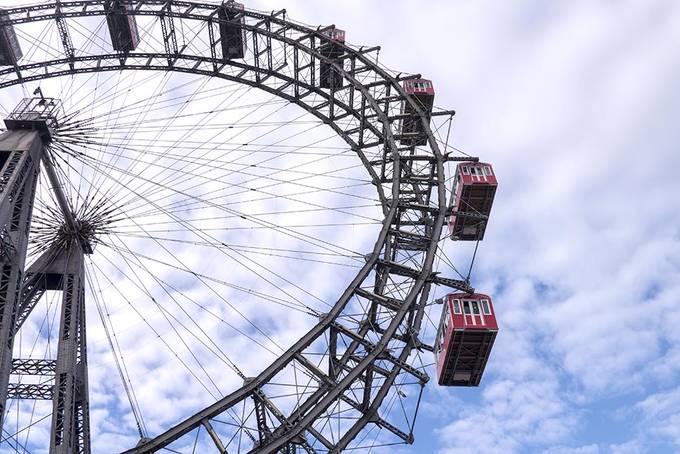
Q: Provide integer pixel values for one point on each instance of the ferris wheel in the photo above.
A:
(250, 212)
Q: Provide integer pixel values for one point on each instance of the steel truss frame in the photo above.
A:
(60, 268)
(362, 361)
(21, 151)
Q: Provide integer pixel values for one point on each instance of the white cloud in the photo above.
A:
(573, 103)
(590, 449)
(661, 415)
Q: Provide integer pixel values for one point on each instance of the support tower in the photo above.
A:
(63, 380)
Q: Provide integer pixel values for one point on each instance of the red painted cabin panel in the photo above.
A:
(474, 189)
(466, 334)
(232, 34)
(412, 131)
(331, 48)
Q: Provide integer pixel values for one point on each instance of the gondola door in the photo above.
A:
(473, 314)
(477, 174)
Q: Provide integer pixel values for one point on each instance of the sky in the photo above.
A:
(573, 103)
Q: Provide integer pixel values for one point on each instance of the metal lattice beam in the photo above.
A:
(30, 391)
(65, 35)
(34, 366)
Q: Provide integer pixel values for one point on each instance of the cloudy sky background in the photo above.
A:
(575, 103)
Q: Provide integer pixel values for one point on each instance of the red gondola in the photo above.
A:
(466, 334)
(331, 48)
(412, 131)
(232, 34)
(10, 50)
(474, 189)
(122, 26)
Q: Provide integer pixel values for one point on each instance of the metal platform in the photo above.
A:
(36, 114)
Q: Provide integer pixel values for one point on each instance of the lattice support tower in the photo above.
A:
(20, 153)
(61, 268)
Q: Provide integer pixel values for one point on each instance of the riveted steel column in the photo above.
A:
(20, 153)
(70, 414)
